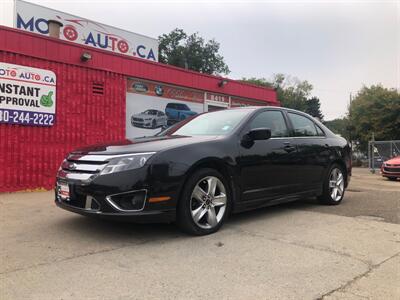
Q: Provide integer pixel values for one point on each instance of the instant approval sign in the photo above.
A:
(27, 95)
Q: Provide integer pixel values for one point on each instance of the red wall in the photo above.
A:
(30, 156)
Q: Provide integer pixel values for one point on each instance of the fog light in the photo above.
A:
(128, 201)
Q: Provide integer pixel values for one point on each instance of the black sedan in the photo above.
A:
(203, 169)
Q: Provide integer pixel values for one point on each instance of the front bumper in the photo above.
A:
(145, 124)
(386, 173)
(126, 195)
(151, 216)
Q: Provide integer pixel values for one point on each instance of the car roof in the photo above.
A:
(273, 107)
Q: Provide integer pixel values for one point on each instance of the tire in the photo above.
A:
(332, 182)
(392, 178)
(154, 124)
(199, 211)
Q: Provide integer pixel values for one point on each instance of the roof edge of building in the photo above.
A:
(11, 40)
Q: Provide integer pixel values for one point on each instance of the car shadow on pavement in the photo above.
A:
(111, 230)
(116, 230)
(273, 210)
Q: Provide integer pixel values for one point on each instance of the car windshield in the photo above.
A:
(214, 123)
(150, 112)
(183, 107)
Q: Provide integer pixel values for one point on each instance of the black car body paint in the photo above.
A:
(264, 173)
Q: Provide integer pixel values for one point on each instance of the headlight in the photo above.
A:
(119, 164)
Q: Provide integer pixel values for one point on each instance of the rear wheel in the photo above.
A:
(204, 204)
(333, 186)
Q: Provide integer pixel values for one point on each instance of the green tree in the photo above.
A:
(339, 126)
(259, 82)
(191, 52)
(313, 108)
(291, 92)
(375, 110)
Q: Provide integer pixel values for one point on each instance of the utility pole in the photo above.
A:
(349, 127)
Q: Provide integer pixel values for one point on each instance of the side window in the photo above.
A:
(273, 120)
(302, 126)
(319, 131)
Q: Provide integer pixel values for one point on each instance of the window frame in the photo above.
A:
(311, 120)
(247, 127)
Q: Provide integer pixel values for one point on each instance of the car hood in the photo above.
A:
(394, 161)
(145, 144)
(144, 116)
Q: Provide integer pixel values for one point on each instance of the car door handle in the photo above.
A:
(289, 148)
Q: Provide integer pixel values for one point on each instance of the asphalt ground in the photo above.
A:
(299, 250)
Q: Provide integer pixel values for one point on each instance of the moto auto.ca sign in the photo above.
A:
(35, 19)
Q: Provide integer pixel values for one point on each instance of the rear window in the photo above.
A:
(302, 126)
(319, 131)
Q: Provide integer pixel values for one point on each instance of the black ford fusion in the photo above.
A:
(203, 169)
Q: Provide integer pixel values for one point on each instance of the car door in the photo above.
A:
(160, 118)
(313, 150)
(266, 167)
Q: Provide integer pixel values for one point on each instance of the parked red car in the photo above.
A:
(391, 168)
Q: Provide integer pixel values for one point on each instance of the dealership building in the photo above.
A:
(66, 82)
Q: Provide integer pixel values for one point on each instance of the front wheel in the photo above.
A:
(392, 178)
(333, 186)
(205, 203)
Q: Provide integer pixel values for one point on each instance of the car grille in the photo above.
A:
(83, 167)
(137, 120)
(390, 169)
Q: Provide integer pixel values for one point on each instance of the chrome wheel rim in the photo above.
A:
(208, 202)
(336, 184)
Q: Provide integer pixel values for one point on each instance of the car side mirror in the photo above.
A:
(258, 134)
(255, 134)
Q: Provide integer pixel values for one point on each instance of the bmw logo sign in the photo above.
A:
(159, 90)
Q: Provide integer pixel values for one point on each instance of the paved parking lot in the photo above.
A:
(293, 251)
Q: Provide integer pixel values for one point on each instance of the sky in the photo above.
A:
(338, 46)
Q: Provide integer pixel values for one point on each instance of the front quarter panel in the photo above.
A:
(171, 168)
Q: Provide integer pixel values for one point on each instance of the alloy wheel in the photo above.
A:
(336, 184)
(208, 202)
